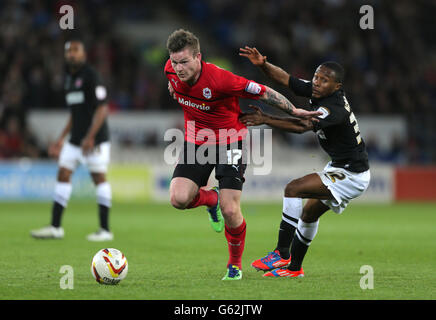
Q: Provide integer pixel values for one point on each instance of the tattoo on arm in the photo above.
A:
(277, 100)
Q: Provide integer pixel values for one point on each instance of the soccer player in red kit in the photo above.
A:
(209, 98)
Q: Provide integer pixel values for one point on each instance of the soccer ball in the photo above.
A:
(109, 266)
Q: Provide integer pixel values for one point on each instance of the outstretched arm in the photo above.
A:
(275, 73)
(277, 100)
(287, 124)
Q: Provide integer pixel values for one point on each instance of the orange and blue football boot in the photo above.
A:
(271, 261)
(285, 272)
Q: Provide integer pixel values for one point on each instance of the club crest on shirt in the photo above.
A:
(207, 93)
(78, 83)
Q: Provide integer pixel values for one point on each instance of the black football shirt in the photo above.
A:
(337, 130)
(84, 92)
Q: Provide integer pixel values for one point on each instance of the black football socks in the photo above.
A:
(286, 233)
(305, 233)
(56, 214)
(298, 251)
(103, 212)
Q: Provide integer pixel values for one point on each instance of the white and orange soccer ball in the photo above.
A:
(109, 266)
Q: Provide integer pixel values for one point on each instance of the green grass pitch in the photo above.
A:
(176, 255)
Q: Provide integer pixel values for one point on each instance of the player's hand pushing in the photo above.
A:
(253, 55)
(255, 118)
(258, 118)
(307, 115)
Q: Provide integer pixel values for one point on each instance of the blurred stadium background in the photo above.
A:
(390, 83)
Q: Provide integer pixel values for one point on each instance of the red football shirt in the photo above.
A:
(211, 105)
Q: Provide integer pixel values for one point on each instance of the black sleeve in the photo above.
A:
(300, 87)
(332, 115)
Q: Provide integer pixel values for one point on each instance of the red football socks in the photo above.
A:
(204, 198)
(236, 242)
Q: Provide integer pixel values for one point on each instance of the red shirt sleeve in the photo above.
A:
(234, 85)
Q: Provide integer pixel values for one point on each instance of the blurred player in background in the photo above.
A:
(209, 98)
(344, 178)
(85, 96)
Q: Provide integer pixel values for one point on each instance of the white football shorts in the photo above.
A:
(344, 186)
(97, 161)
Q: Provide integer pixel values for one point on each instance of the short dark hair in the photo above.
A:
(180, 39)
(337, 69)
(76, 39)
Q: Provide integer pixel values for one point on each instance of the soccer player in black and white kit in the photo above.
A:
(344, 178)
(85, 96)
